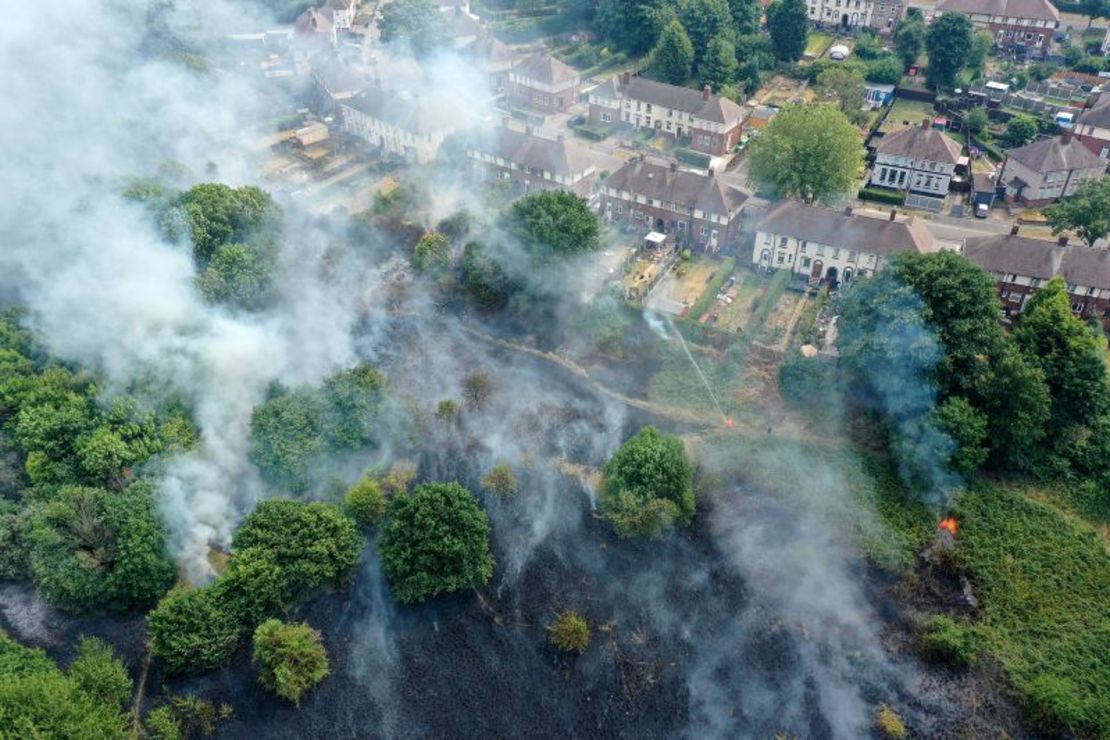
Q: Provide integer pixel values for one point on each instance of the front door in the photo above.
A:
(815, 273)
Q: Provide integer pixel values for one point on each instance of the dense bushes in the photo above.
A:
(284, 552)
(880, 195)
(648, 484)
(291, 658)
(436, 540)
(948, 641)
(570, 632)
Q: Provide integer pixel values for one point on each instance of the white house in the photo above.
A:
(399, 122)
(833, 247)
(882, 15)
(917, 159)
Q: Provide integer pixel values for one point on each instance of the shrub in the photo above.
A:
(160, 724)
(501, 480)
(648, 483)
(806, 380)
(889, 724)
(432, 252)
(436, 541)
(692, 157)
(949, 641)
(191, 631)
(365, 502)
(291, 658)
(878, 195)
(101, 675)
(1053, 705)
(570, 633)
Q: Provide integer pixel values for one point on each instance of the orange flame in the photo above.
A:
(949, 524)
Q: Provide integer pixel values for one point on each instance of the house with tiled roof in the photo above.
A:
(543, 83)
(1049, 169)
(834, 247)
(527, 162)
(494, 59)
(400, 123)
(917, 159)
(881, 15)
(1021, 266)
(1092, 127)
(1026, 24)
(697, 210)
(713, 122)
(325, 22)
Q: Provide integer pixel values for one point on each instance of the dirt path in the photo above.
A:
(140, 689)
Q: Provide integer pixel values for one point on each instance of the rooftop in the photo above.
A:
(1098, 115)
(682, 187)
(412, 113)
(1037, 9)
(1036, 258)
(542, 67)
(558, 156)
(920, 142)
(1055, 154)
(709, 107)
(847, 230)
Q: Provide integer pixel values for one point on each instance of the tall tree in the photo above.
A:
(1020, 130)
(704, 20)
(1087, 212)
(1094, 9)
(948, 42)
(554, 224)
(746, 15)
(808, 152)
(846, 85)
(672, 59)
(1071, 354)
(909, 40)
(631, 25)
(419, 23)
(788, 24)
(981, 45)
(718, 65)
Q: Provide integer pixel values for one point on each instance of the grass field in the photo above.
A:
(818, 43)
(904, 113)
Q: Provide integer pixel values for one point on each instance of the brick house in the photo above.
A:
(1092, 128)
(400, 123)
(528, 162)
(1027, 24)
(917, 159)
(697, 210)
(1046, 170)
(543, 83)
(1021, 266)
(713, 122)
(494, 59)
(830, 246)
(881, 15)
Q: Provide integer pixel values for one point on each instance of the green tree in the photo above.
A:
(436, 540)
(191, 631)
(1094, 9)
(886, 70)
(555, 223)
(101, 675)
(948, 42)
(89, 548)
(704, 20)
(746, 15)
(718, 66)
(312, 544)
(214, 214)
(416, 23)
(1018, 406)
(1071, 354)
(291, 658)
(632, 25)
(673, 56)
(977, 120)
(240, 275)
(486, 283)
(1086, 212)
(846, 86)
(288, 438)
(808, 152)
(432, 252)
(788, 24)
(365, 501)
(501, 480)
(648, 483)
(966, 426)
(982, 43)
(909, 40)
(1020, 130)
(570, 632)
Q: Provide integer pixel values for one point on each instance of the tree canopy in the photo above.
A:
(632, 25)
(704, 20)
(555, 224)
(948, 42)
(648, 483)
(846, 86)
(672, 59)
(291, 658)
(788, 24)
(718, 66)
(1087, 211)
(746, 15)
(809, 152)
(1020, 130)
(436, 540)
(417, 23)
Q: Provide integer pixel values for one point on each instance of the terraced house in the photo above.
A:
(1015, 24)
(881, 15)
(1021, 266)
(402, 124)
(1049, 169)
(713, 122)
(697, 210)
(833, 247)
(543, 83)
(528, 162)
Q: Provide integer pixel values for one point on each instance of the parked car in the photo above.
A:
(982, 210)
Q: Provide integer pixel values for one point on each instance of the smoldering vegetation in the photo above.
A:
(759, 619)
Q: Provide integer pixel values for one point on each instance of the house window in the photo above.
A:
(836, 254)
(606, 117)
(851, 255)
(1090, 291)
(820, 250)
(805, 262)
(802, 246)
(1078, 307)
(782, 241)
(620, 209)
(779, 258)
(1071, 287)
(704, 231)
(1035, 283)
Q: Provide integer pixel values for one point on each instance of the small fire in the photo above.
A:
(729, 423)
(949, 525)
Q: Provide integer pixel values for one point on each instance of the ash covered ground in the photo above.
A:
(759, 620)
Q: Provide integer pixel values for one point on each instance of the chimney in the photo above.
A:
(1063, 240)
(847, 210)
(705, 91)
(926, 123)
(1014, 229)
(893, 213)
(626, 77)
